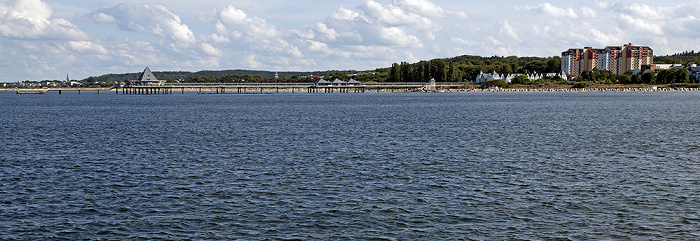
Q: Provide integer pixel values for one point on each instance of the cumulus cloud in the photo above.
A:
(376, 24)
(32, 19)
(251, 26)
(394, 36)
(88, 47)
(395, 16)
(422, 7)
(588, 12)
(648, 19)
(254, 38)
(252, 63)
(461, 41)
(211, 50)
(642, 10)
(551, 10)
(147, 18)
(640, 25)
(508, 30)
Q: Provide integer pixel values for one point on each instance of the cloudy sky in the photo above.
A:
(47, 39)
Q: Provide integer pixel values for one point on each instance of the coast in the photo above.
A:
(446, 90)
(645, 89)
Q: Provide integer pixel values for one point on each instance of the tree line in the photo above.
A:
(464, 68)
(679, 58)
(664, 76)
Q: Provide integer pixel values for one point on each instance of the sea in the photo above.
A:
(366, 166)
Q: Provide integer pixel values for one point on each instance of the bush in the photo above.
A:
(580, 85)
(521, 80)
(497, 82)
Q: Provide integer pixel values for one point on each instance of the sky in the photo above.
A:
(49, 39)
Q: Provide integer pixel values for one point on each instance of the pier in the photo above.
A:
(254, 88)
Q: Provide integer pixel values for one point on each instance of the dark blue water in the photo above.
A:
(493, 166)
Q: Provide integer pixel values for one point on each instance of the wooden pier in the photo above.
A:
(252, 88)
(255, 88)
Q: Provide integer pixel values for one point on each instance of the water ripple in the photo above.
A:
(572, 166)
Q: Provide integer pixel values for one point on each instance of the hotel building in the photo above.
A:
(616, 59)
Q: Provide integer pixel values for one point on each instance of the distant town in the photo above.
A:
(576, 67)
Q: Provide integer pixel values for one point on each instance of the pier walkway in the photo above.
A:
(240, 88)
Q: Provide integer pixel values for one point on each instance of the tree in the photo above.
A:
(681, 76)
(405, 72)
(636, 79)
(585, 76)
(664, 76)
(452, 75)
(506, 68)
(394, 73)
(520, 80)
(419, 72)
(625, 79)
(437, 70)
(648, 77)
(553, 65)
(536, 66)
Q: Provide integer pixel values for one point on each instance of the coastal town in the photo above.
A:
(576, 65)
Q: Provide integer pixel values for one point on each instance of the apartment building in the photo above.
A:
(616, 59)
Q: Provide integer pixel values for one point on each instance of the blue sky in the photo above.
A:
(47, 39)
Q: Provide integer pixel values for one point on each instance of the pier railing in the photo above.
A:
(306, 85)
(244, 87)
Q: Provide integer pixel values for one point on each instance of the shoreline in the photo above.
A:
(487, 90)
(639, 90)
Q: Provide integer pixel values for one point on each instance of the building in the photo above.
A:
(616, 59)
(481, 78)
(147, 78)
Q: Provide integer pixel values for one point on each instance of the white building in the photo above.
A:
(481, 78)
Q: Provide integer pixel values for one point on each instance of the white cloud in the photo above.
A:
(32, 19)
(642, 11)
(251, 26)
(326, 33)
(250, 62)
(395, 16)
(147, 18)
(88, 47)
(211, 50)
(551, 10)
(345, 14)
(464, 42)
(640, 25)
(508, 30)
(319, 47)
(103, 18)
(422, 7)
(588, 12)
(215, 38)
(394, 36)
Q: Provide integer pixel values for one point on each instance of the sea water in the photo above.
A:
(416, 166)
